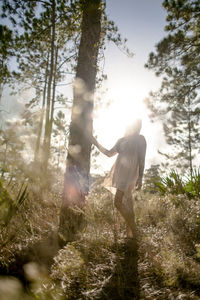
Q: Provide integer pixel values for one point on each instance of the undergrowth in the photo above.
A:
(99, 264)
(175, 184)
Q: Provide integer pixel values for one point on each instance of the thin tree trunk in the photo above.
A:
(76, 181)
(46, 149)
(53, 97)
(1, 91)
(37, 148)
(4, 161)
(1, 81)
(49, 132)
(189, 142)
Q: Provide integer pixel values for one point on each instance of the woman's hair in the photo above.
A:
(135, 127)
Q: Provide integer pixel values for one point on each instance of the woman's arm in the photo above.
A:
(105, 151)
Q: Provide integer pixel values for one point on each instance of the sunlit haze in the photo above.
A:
(129, 83)
(127, 104)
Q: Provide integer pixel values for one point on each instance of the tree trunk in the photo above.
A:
(50, 117)
(46, 148)
(189, 141)
(37, 147)
(1, 80)
(76, 181)
(1, 91)
(53, 97)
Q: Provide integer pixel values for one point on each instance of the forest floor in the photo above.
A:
(163, 263)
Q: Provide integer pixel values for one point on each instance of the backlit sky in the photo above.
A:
(142, 23)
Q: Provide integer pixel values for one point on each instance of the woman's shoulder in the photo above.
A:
(141, 137)
(118, 144)
(121, 140)
(142, 140)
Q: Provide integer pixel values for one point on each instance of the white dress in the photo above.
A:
(129, 165)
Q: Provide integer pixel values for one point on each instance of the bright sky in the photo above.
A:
(142, 23)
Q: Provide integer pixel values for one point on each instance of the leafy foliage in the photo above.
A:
(175, 184)
(6, 52)
(192, 185)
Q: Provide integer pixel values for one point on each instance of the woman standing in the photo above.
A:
(127, 172)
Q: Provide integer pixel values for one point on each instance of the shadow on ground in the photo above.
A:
(124, 283)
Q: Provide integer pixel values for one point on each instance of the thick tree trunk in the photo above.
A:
(76, 181)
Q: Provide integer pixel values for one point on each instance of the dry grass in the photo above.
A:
(100, 264)
(169, 235)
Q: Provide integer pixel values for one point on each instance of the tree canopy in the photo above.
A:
(177, 61)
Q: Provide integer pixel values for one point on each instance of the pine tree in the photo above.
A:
(76, 183)
(46, 49)
(151, 176)
(177, 60)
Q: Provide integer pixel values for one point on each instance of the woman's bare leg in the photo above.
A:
(130, 209)
(129, 232)
(126, 210)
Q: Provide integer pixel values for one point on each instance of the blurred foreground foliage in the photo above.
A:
(9, 205)
(93, 266)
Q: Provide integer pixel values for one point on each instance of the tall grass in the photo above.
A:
(10, 204)
(96, 266)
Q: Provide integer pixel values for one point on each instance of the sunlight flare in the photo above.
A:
(126, 106)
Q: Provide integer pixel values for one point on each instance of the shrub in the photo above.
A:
(175, 184)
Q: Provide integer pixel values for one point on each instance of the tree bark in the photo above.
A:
(76, 180)
(46, 147)
(37, 147)
(51, 112)
(53, 96)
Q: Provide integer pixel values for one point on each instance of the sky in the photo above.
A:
(129, 83)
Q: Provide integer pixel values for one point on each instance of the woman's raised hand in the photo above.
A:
(93, 140)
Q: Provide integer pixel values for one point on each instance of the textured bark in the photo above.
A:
(76, 181)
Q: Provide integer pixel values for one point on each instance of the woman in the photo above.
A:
(127, 171)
